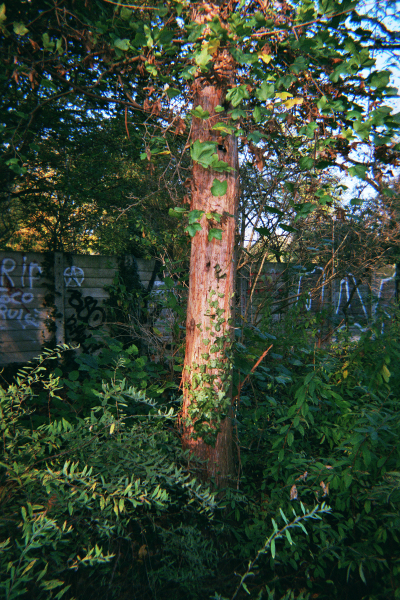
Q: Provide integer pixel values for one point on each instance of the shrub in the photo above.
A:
(84, 502)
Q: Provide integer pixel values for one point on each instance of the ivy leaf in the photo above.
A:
(195, 215)
(304, 209)
(265, 57)
(219, 188)
(257, 114)
(47, 44)
(203, 153)
(172, 93)
(213, 46)
(309, 129)
(283, 95)
(300, 64)
(199, 113)
(215, 216)
(149, 39)
(379, 80)
(126, 13)
(292, 102)
(122, 44)
(215, 233)
(306, 162)
(20, 29)
(236, 95)
(358, 171)
(237, 113)
(151, 69)
(202, 58)
(191, 229)
(223, 128)
(220, 166)
(266, 91)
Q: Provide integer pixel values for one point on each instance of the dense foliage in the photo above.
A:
(96, 496)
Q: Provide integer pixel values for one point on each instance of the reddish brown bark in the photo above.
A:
(212, 277)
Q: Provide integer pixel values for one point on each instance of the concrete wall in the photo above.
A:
(47, 296)
(56, 296)
(283, 285)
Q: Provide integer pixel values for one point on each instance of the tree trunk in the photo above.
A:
(207, 406)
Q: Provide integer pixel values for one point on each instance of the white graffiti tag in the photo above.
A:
(73, 276)
(14, 301)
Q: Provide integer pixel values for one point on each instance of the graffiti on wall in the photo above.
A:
(17, 293)
(74, 276)
(88, 315)
(349, 294)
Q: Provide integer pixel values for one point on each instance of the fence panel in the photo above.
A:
(56, 296)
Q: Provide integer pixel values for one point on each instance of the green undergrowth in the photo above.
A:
(96, 500)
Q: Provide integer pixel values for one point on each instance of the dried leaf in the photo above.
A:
(293, 492)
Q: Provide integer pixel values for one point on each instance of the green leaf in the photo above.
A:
(273, 548)
(59, 46)
(257, 114)
(220, 165)
(125, 13)
(149, 39)
(132, 349)
(223, 128)
(203, 153)
(361, 572)
(385, 373)
(173, 93)
(284, 517)
(289, 537)
(20, 29)
(237, 113)
(199, 113)
(263, 231)
(237, 94)
(47, 44)
(195, 215)
(266, 91)
(151, 69)
(215, 216)
(300, 64)
(246, 589)
(215, 233)
(358, 171)
(306, 163)
(219, 188)
(2, 13)
(191, 229)
(379, 80)
(177, 211)
(288, 228)
(202, 58)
